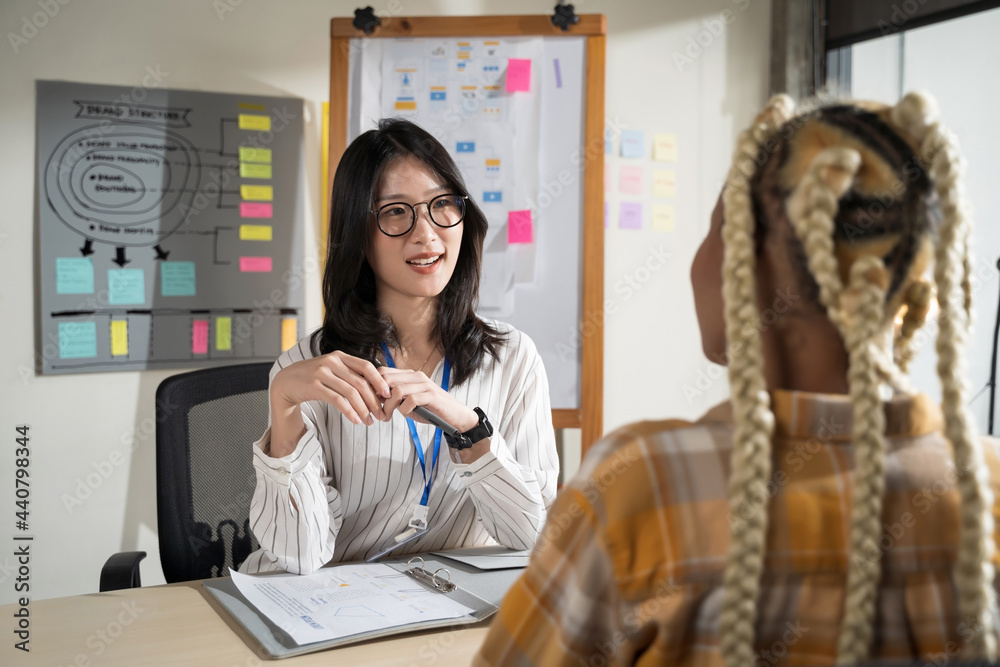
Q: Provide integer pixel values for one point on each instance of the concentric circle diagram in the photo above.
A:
(123, 184)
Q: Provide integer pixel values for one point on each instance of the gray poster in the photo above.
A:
(170, 228)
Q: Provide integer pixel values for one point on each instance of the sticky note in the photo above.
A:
(126, 286)
(630, 179)
(555, 63)
(608, 141)
(664, 183)
(177, 279)
(252, 154)
(257, 192)
(77, 340)
(663, 217)
(74, 275)
(519, 227)
(223, 333)
(289, 332)
(252, 210)
(630, 215)
(250, 170)
(518, 75)
(633, 143)
(250, 106)
(254, 122)
(199, 337)
(607, 177)
(119, 338)
(255, 264)
(255, 232)
(665, 147)
(605, 215)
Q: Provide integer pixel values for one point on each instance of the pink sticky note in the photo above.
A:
(199, 337)
(605, 215)
(249, 209)
(519, 227)
(630, 215)
(518, 75)
(630, 179)
(255, 264)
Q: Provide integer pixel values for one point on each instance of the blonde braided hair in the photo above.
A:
(812, 209)
(860, 315)
(753, 419)
(974, 571)
(868, 283)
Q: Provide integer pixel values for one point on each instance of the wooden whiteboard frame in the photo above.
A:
(590, 415)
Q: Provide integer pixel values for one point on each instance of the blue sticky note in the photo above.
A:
(492, 196)
(633, 143)
(177, 279)
(126, 286)
(74, 275)
(77, 340)
(466, 147)
(608, 141)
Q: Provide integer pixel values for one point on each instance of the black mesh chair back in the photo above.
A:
(207, 421)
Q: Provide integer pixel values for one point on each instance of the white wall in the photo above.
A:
(931, 58)
(81, 424)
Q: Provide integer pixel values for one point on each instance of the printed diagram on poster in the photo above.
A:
(170, 228)
(510, 111)
(468, 93)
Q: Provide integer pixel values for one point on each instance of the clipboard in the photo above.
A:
(480, 591)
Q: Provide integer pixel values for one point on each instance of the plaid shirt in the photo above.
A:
(629, 567)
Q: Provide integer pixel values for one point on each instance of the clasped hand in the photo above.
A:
(360, 391)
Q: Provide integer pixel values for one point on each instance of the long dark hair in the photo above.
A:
(353, 322)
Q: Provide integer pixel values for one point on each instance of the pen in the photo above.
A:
(430, 416)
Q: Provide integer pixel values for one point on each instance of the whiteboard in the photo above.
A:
(170, 227)
(536, 135)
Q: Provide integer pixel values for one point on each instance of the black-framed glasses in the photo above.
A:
(398, 217)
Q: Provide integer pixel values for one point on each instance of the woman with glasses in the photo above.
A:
(348, 468)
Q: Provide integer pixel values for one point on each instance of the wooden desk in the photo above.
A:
(182, 624)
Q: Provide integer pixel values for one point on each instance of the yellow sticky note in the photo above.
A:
(257, 192)
(119, 338)
(251, 154)
(223, 333)
(254, 122)
(665, 147)
(255, 232)
(289, 332)
(255, 170)
(663, 217)
(248, 106)
(664, 183)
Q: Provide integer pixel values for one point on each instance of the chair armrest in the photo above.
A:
(121, 571)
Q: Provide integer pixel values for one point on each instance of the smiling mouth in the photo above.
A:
(429, 261)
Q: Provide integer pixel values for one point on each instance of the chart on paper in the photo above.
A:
(170, 227)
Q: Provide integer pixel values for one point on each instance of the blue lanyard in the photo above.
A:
(413, 429)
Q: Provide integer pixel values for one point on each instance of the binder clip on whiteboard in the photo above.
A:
(564, 16)
(365, 20)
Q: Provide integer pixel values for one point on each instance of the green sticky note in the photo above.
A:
(248, 170)
(177, 279)
(126, 286)
(223, 333)
(74, 275)
(251, 154)
(77, 340)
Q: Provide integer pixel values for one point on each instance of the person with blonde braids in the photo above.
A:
(827, 513)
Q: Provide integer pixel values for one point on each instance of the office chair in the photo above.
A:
(206, 421)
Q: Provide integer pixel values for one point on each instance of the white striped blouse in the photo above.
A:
(355, 486)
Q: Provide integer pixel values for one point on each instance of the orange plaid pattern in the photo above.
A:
(629, 568)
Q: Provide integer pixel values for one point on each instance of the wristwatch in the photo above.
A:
(478, 432)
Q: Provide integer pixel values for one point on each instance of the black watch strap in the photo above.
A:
(478, 432)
